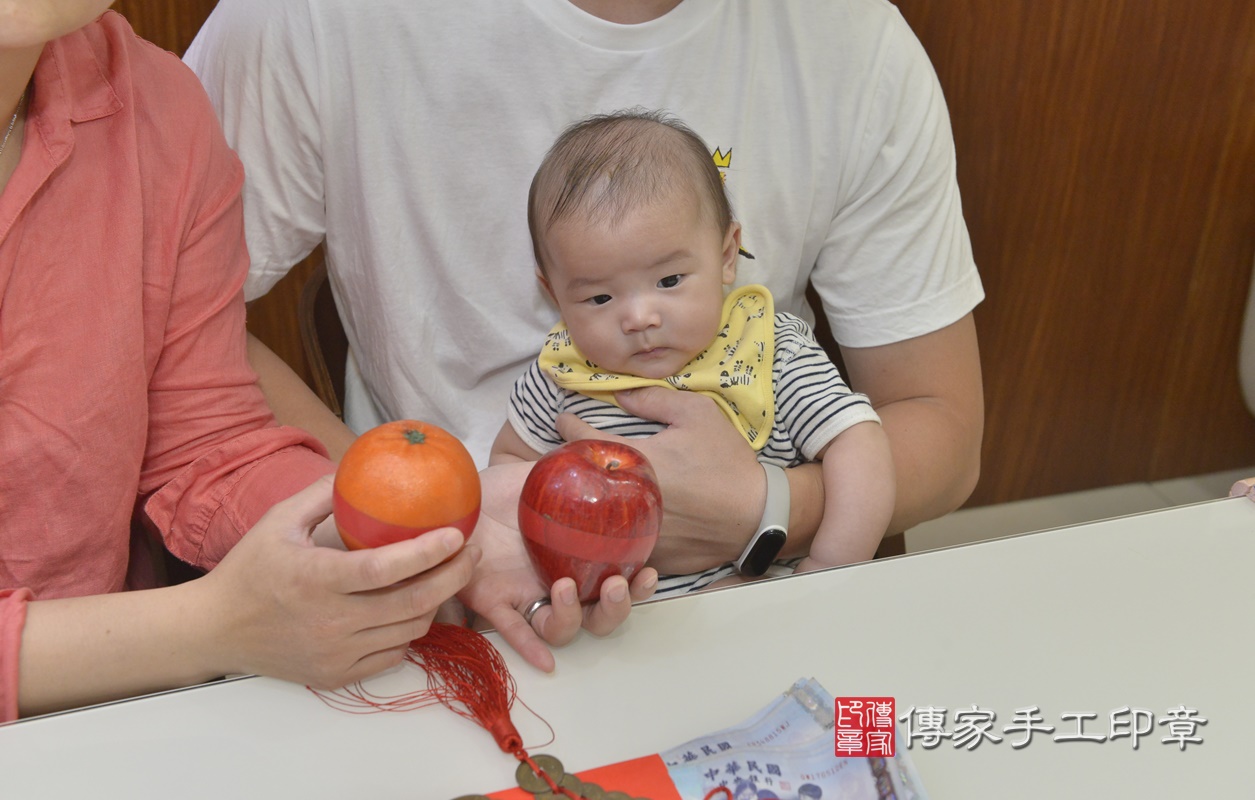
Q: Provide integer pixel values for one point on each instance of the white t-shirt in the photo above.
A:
(407, 131)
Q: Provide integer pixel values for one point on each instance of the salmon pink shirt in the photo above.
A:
(125, 392)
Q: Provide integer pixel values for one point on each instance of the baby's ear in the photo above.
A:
(731, 251)
(544, 284)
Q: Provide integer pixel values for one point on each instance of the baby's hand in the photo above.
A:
(808, 564)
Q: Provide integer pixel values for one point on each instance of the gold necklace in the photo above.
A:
(12, 121)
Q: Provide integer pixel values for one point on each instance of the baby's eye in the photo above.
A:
(599, 300)
(669, 282)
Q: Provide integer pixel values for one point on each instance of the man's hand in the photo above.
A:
(713, 489)
(504, 583)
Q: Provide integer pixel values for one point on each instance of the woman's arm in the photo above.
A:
(277, 605)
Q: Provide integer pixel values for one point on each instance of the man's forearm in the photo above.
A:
(928, 393)
(936, 459)
(294, 403)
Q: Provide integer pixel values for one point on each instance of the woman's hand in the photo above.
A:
(280, 605)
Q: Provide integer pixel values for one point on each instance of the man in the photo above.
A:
(405, 135)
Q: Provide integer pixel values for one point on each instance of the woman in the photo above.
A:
(126, 395)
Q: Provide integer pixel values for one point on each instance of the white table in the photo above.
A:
(1152, 611)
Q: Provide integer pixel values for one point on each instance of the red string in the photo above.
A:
(723, 790)
(466, 674)
(469, 676)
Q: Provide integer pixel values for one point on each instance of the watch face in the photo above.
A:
(766, 547)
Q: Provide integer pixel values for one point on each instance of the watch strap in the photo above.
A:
(773, 528)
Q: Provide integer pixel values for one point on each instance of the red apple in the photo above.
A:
(590, 509)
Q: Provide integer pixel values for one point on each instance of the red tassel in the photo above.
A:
(464, 673)
(467, 674)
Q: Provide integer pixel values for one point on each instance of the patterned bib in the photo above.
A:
(735, 370)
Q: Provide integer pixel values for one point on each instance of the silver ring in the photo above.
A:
(536, 605)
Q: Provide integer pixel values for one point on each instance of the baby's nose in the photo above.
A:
(640, 316)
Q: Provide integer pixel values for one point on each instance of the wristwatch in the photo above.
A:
(767, 543)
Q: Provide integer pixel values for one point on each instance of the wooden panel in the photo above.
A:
(172, 24)
(1107, 161)
(273, 319)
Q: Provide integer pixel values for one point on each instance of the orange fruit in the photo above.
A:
(402, 479)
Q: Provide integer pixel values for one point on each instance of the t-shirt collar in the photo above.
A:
(592, 31)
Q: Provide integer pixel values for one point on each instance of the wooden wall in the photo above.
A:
(1107, 160)
(169, 23)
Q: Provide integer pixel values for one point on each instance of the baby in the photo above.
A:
(636, 244)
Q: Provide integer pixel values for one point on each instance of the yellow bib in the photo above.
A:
(735, 370)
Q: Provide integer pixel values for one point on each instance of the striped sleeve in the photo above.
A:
(677, 585)
(535, 403)
(813, 402)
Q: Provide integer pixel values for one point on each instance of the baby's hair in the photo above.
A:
(606, 165)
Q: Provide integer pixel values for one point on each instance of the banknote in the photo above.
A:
(787, 751)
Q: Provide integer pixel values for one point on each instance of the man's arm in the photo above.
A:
(928, 393)
(294, 403)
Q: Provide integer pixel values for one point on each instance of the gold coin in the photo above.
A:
(579, 788)
(617, 796)
(591, 791)
(529, 781)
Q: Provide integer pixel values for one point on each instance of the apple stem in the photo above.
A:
(612, 463)
(414, 437)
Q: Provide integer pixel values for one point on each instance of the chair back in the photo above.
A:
(323, 339)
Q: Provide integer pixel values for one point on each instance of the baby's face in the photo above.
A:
(642, 296)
